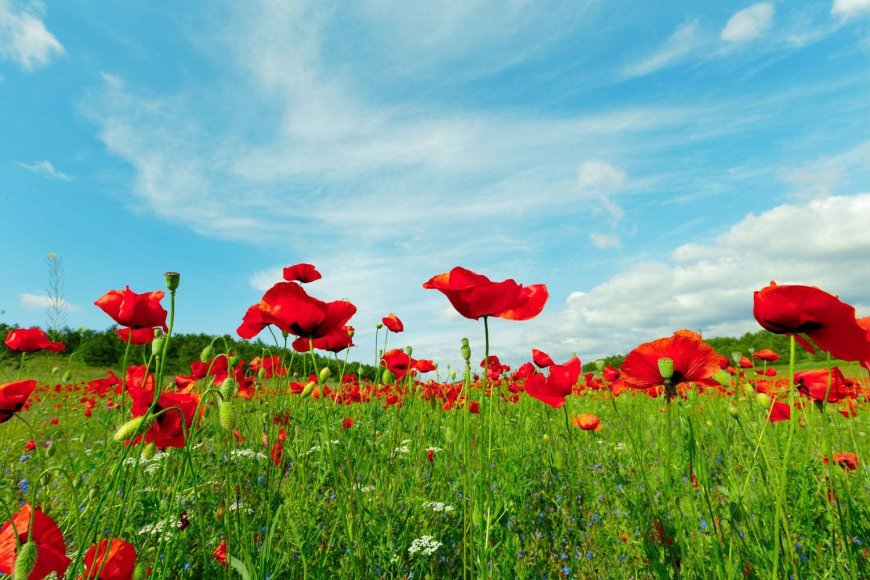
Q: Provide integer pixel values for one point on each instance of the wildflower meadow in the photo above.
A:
(313, 460)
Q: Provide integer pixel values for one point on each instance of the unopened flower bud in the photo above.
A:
(324, 374)
(206, 354)
(67, 377)
(226, 415)
(140, 572)
(387, 377)
(736, 356)
(350, 332)
(129, 429)
(379, 325)
(232, 360)
(55, 370)
(261, 373)
(666, 368)
(157, 345)
(409, 351)
(172, 280)
(25, 560)
(599, 364)
(50, 448)
(307, 390)
(762, 400)
(733, 411)
(229, 388)
(749, 390)
(149, 451)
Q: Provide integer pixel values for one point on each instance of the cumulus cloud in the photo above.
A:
(685, 40)
(24, 39)
(749, 23)
(45, 168)
(42, 301)
(849, 8)
(709, 286)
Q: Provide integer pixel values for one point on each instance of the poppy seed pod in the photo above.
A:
(172, 280)
(466, 350)
(25, 560)
(666, 368)
(157, 345)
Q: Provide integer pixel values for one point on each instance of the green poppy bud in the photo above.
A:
(324, 374)
(763, 400)
(666, 368)
(229, 388)
(55, 370)
(307, 390)
(232, 360)
(733, 411)
(149, 451)
(261, 373)
(206, 354)
(25, 560)
(409, 350)
(736, 356)
(132, 427)
(379, 325)
(140, 572)
(749, 390)
(387, 377)
(157, 345)
(50, 449)
(172, 280)
(67, 377)
(226, 415)
(599, 364)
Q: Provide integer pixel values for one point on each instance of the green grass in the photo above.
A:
(541, 500)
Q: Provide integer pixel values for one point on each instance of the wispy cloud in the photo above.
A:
(24, 39)
(45, 168)
(605, 241)
(680, 45)
(42, 301)
(749, 23)
(850, 8)
(821, 177)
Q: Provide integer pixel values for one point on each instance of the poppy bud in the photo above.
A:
(67, 376)
(307, 390)
(762, 400)
(140, 572)
(350, 332)
(228, 389)
(25, 560)
(733, 411)
(172, 280)
(232, 360)
(129, 429)
(206, 354)
(379, 325)
(261, 373)
(453, 375)
(736, 356)
(324, 374)
(55, 370)
(49, 449)
(599, 364)
(387, 377)
(409, 350)
(748, 389)
(226, 415)
(149, 451)
(666, 368)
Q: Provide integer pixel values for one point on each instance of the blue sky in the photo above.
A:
(653, 163)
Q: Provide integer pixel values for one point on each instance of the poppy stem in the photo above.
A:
(21, 367)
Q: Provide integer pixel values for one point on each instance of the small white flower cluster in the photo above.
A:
(434, 449)
(403, 446)
(156, 530)
(620, 446)
(437, 506)
(246, 454)
(364, 488)
(427, 545)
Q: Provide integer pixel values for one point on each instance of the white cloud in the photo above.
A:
(820, 177)
(23, 36)
(849, 8)
(45, 168)
(683, 42)
(599, 179)
(749, 23)
(605, 241)
(42, 301)
(709, 286)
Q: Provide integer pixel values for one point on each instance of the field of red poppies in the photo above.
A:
(682, 462)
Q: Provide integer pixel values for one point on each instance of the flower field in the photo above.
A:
(682, 462)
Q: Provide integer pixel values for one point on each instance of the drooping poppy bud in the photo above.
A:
(132, 427)
(206, 354)
(229, 388)
(226, 415)
(25, 560)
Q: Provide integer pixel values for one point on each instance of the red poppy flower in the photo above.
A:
(220, 553)
(302, 273)
(31, 340)
(398, 362)
(347, 423)
(553, 388)
(848, 461)
(541, 359)
(525, 370)
(110, 560)
(694, 362)
(587, 422)
(336, 341)
(393, 323)
(424, 365)
(745, 363)
(290, 308)
(766, 355)
(779, 412)
(50, 547)
(814, 384)
(134, 310)
(169, 428)
(474, 295)
(140, 335)
(13, 396)
(830, 323)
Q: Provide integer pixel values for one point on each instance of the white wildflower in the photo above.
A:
(437, 506)
(426, 545)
